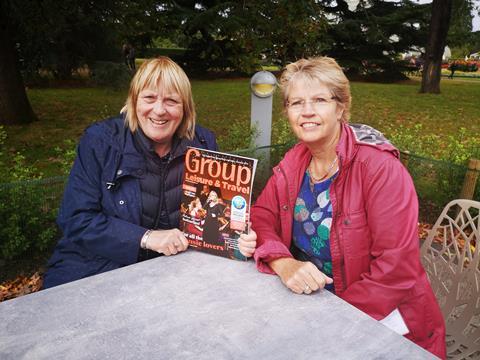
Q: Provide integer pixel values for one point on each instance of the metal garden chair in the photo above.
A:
(450, 255)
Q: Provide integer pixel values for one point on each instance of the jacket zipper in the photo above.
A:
(336, 214)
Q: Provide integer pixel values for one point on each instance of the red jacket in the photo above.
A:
(373, 239)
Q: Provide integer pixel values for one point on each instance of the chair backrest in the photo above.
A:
(450, 255)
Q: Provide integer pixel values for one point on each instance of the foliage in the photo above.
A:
(367, 41)
(219, 35)
(436, 181)
(227, 35)
(456, 149)
(465, 66)
(60, 37)
(27, 221)
(238, 137)
(459, 33)
(292, 30)
(110, 74)
(27, 225)
(66, 156)
(21, 285)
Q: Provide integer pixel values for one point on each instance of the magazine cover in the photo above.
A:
(215, 208)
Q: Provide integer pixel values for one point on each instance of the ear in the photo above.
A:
(339, 111)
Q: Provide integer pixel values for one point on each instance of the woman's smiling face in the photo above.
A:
(159, 114)
(313, 113)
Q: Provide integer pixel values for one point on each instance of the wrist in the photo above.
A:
(279, 264)
(144, 240)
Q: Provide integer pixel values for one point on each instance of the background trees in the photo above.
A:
(368, 40)
(238, 35)
(439, 24)
(14, 105)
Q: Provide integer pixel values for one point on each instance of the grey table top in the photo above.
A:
(191, 306)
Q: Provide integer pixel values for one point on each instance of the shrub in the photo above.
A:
(28, 221)
(110, 74)
(28, 208)
(436, 181)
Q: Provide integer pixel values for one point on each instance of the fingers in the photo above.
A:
(247, 243)
(169, 242)
(306, 278)
(181, 243)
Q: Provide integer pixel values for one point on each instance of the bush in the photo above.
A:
(28, 220)
(436, 181)
(110, 74)
(465, 66)
(28, 207)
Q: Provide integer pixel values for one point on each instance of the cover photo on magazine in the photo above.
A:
(215, 208)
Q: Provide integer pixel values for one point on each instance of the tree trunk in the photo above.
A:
(14, 105)
(439, 24)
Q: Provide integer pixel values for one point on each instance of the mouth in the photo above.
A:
(157, 122)
(309, 125)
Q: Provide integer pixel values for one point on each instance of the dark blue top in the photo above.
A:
(311, 225)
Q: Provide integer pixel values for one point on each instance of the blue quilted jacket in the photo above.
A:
(100, 215)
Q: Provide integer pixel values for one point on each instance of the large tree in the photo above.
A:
(14, 105)
(292, 29)
(439, 24)
(61, 36)
(367, 40)
(238, 35)
(459, 32)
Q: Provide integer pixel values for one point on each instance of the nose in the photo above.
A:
(308, 109)
(158, 107)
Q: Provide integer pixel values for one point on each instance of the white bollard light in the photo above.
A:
(263, 85)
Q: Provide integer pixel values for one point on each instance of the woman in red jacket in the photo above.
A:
(340, 211)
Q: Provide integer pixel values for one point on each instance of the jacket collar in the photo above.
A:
(352, 137)
(147, 146)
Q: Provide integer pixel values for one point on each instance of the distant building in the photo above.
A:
(447, 54)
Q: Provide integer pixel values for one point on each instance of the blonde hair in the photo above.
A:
(321, 69)
(162, 72)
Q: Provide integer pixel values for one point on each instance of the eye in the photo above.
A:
(171, 102)
(320, 100)
(148, 97)
(296, 103)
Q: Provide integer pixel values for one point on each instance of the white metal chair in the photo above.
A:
(450, 255)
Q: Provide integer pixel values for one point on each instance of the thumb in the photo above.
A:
(328, 280)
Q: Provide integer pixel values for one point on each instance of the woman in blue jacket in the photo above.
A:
(122, 201)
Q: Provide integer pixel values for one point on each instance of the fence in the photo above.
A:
(28, 208)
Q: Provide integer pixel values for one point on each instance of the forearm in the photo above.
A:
(106, 236)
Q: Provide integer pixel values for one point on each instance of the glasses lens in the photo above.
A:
(317, 104)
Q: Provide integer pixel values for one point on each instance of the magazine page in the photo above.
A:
(216, 198)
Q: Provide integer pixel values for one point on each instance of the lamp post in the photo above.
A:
(263, 85)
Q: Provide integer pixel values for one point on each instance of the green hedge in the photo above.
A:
(27, 216)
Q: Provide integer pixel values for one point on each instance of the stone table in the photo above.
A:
(191, 306)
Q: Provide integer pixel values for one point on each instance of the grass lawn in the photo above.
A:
(224, 106)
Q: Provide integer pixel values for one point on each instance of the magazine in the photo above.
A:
(216, 197)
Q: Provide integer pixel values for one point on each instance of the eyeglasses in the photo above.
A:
(318, 103)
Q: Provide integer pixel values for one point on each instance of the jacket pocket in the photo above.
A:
(356, 234)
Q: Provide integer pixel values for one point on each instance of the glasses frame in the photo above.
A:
(315, 105)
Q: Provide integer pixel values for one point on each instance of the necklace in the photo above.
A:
(314, 179)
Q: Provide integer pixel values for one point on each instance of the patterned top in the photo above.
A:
(311, 225)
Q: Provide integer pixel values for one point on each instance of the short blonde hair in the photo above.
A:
(324, 70)
(162, 72)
